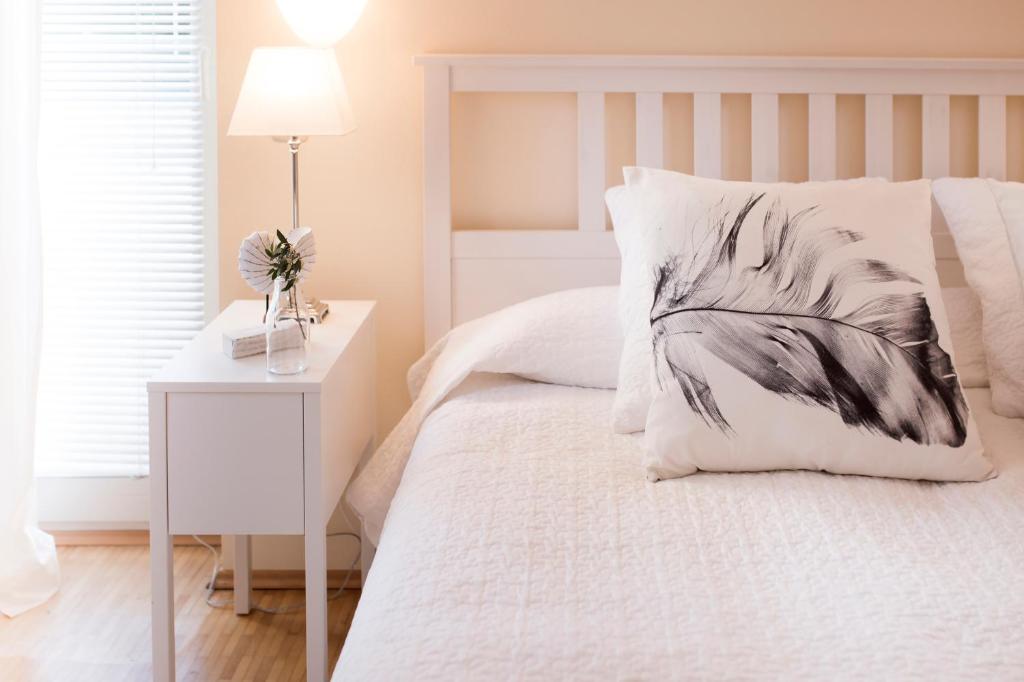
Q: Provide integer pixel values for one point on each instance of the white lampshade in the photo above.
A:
(292, 91)
(321, 23)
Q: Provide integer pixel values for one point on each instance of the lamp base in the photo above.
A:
(315, 310)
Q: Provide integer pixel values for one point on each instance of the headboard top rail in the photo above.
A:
(658, 61)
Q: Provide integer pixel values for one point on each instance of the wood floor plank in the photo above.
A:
(97, 627)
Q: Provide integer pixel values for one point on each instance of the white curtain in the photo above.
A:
(29, 573)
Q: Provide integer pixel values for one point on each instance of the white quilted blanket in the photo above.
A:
(525, 543)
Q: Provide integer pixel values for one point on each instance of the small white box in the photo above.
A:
(241, 343)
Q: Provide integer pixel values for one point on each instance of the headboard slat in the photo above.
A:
(992, 137)
(821, 136)
(707, 134)
(764, 137)
(650, 130)
(878, 138)
(935, 136)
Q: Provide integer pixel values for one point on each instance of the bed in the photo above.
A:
(523, 541)
(509, 554)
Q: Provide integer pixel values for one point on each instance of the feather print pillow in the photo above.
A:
(790, 326)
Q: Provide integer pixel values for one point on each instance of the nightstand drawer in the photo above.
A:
(234, 463)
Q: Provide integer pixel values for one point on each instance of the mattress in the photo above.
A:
(525, 543)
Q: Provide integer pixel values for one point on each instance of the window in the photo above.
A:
(128, 185)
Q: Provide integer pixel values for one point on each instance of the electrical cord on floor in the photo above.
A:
(210, 589)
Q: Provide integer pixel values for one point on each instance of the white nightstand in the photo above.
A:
(237, 451)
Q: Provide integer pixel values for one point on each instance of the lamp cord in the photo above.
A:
(210, 589)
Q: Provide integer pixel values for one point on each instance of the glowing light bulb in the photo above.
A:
(321, 23)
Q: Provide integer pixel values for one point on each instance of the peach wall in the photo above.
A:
(362, 192)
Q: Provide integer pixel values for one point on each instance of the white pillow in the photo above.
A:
(792, 326)
(973, 215)
(570, 337)
(1010, 197)
(964, 312)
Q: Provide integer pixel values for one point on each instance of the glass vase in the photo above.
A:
(287, 329)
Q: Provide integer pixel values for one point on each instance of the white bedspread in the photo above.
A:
(525, 543)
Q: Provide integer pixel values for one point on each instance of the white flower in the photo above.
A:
(254, 263)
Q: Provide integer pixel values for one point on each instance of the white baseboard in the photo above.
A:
(280, 579)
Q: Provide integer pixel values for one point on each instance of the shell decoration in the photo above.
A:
(254, 264)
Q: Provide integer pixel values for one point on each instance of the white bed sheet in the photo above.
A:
(525, 543)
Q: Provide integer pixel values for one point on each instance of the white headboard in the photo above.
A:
(468, 273)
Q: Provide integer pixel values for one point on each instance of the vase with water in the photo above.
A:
(287, 329)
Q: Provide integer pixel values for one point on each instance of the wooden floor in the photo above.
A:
(98, 626)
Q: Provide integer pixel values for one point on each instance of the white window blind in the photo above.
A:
(123, 174)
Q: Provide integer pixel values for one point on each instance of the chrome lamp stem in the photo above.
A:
(315, 310)
(293, 147)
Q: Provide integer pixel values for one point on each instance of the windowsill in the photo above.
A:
(94, 503)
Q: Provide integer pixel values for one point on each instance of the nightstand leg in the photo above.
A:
(316, 605)
(162, 562)
(243, 574)
(161, 545)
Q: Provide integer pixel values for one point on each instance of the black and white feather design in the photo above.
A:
(841, 341)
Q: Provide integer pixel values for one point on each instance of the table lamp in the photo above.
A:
(291, 94)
